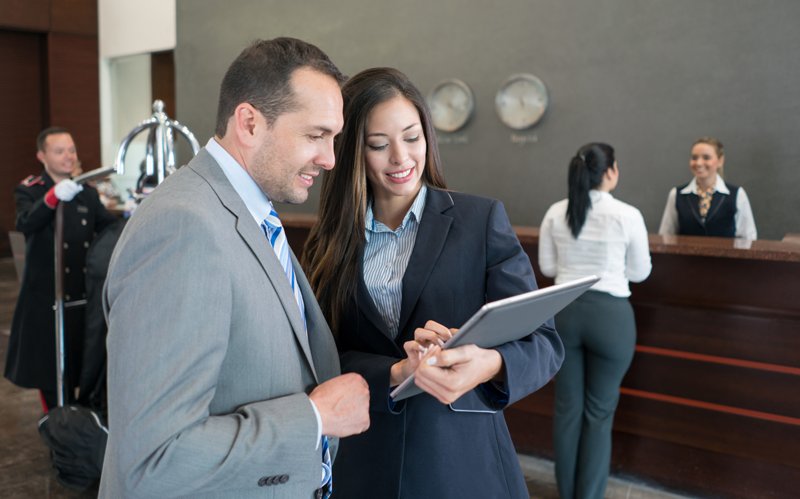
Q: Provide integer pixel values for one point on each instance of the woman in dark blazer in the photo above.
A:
(396, 260)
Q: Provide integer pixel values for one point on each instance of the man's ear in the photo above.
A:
(245, 119)
(40, 156)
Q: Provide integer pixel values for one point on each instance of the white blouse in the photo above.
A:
(612, 245)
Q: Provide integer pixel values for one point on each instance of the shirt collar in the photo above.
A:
(719, 186)
(257, 203)
(596, 195)
(415, 213)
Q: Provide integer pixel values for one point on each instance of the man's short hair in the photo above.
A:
(261, 75)
(42, 137)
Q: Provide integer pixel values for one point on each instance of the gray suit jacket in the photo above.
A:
(209, 365)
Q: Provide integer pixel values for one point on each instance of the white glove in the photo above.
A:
(67, 189)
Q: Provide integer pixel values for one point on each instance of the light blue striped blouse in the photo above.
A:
(386, 257)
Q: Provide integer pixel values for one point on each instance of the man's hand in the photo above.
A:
(343, 405)
(449, 374)
(67, 189)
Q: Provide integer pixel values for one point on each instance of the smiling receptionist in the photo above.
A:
(708, 206)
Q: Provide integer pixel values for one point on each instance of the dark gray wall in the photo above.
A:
(647, 76)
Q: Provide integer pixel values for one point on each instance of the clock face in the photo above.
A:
(452, 104)
(521, 101)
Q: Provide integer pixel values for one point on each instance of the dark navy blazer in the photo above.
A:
(466, 254)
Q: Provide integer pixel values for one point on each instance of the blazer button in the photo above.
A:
(83, 221)
(86, 244)
(66, 246)
(66, 270)
(266, 481)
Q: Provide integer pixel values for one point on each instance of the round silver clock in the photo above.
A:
(521, 101)
(452, 104)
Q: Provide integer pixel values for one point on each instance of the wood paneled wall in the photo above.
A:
(21, 99)
(49, 63)
(162, 75)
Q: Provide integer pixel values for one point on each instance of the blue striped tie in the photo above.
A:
(273, 230)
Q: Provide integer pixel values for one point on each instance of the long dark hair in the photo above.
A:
(334, 246)
(586, 170)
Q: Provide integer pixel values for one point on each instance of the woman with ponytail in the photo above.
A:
(588, 233)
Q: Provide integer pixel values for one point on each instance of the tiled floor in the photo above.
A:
(25, 470)
(541, 483)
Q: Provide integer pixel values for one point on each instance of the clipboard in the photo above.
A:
(507, 320)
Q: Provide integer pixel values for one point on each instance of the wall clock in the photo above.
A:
(521, 101)
(452, 104)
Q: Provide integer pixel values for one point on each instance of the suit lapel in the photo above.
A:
(367, 305)
(429, 244)
(254, 238)
(693, 200)
(717, 200)
(316, 327)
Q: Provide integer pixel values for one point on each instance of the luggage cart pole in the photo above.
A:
(58, 252)
(58, 255)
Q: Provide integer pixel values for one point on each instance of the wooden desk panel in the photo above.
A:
(718, 282)
(685, 468)
(763, 338)
(754, 392)
(711, 403)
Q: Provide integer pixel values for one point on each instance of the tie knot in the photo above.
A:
(273, 229)
(272, 220)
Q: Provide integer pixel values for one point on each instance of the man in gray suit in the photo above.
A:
(222, 381)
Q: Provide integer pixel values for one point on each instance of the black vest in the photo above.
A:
(720, 220)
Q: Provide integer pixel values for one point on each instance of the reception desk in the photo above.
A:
(711, 403)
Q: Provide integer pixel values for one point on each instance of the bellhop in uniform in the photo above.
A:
(31, 360)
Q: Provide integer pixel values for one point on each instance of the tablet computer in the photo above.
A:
(94, 174)
(507, 320)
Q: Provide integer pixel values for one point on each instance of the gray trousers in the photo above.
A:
(599, 335)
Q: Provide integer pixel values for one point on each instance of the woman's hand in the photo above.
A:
(449, 374)
(433, 334)
(425, 338)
